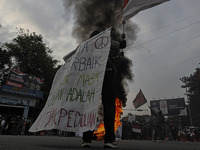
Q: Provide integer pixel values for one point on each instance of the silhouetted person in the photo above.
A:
(108, 94)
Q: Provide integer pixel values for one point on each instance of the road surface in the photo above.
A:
(11, 142)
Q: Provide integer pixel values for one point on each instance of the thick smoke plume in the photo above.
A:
(90, 15)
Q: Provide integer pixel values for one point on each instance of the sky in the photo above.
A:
(167, 45)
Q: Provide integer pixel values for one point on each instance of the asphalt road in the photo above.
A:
(69, 143)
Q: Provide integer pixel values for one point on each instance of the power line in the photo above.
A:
(171, 48)
(167, 34)
(142, 45)
(182, 28)
(178, 21)
(167, 67)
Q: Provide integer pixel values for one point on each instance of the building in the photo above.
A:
(20, 95)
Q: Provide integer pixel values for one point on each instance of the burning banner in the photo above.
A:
(75, 94)
(132, 7)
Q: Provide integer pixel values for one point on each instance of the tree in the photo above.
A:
(192, 86)
(30, 55)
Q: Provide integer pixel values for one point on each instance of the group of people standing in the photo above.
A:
(15, 126)
(157, 129)
(164, 129)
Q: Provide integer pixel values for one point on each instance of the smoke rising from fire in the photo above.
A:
(90, 15)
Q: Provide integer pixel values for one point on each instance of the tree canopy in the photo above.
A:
(192, 85)
(29, 54)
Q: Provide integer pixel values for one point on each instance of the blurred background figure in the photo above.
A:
(158, 123)
(3, 122)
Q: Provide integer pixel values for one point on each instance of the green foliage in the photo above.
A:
(30, 55)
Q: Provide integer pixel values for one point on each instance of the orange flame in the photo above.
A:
(101, 130)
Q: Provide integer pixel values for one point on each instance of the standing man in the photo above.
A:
(158, 124)
(108, 94)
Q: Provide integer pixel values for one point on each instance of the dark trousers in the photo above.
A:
(158, 132)
(108, 100)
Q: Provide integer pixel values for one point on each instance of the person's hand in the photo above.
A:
(121, 54)
(123, 36)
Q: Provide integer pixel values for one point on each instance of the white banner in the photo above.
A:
(135, 6)
(75, 94)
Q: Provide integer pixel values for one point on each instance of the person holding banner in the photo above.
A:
(108, 93)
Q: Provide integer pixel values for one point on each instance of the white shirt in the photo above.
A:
(3, 122)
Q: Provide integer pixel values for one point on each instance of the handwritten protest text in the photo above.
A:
(81, 95)
(83, 63)
(70, 118)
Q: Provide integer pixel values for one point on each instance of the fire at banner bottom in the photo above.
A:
(101, 130)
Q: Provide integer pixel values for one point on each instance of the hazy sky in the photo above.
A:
(167, 45)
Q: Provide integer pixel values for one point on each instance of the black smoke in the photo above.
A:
(90, 15)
